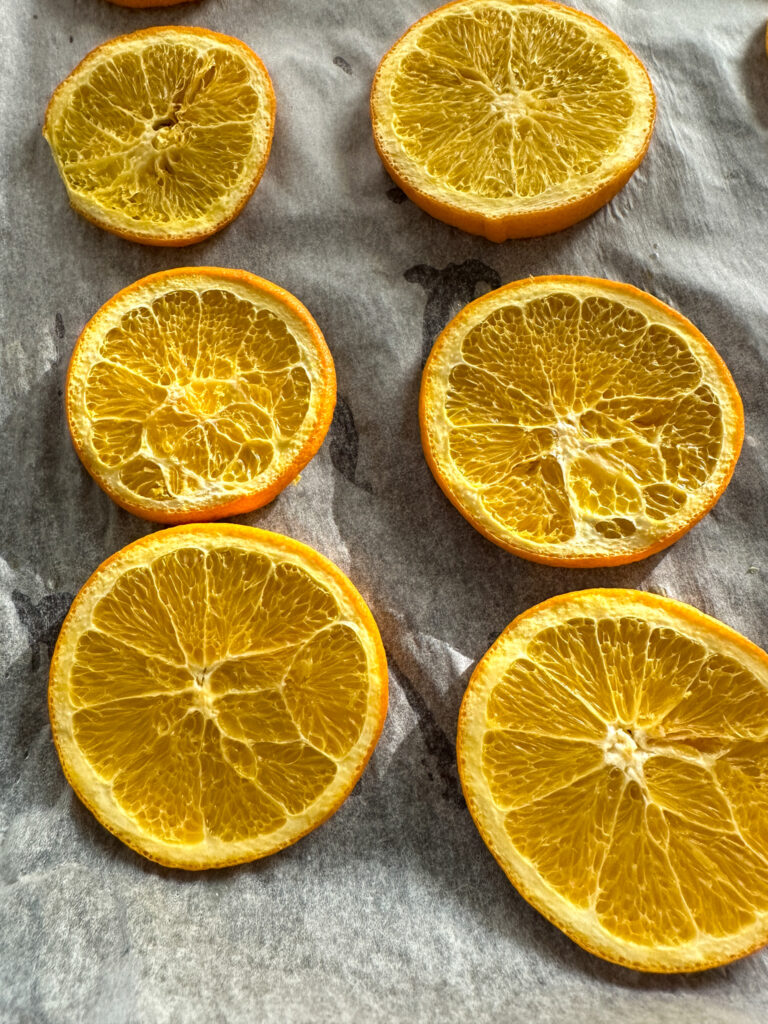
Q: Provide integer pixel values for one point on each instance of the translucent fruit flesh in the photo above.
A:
(578, 423)
(511, 118)
(513, 103)
(163, 132)
(196, 393)
(216, 693)
(606, 417)
(216, 389)
(626, 763)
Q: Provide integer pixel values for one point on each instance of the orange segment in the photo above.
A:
(565, 835)
(689, 790)
(112, 734)
(234, 807)
(242, 675)
(162, 135)
(723, 682)
(130, 613)
(526, 697)
(511, 118)
(742, 773)
(159, 788)
(575, 646)
(132, 673)
(199, 393)
(576, 421)
(215, 693)
(522, 769)
(723, 905)
(638, 900)
(324, 689)
(613, 750)
(295, 773)
(257, 716)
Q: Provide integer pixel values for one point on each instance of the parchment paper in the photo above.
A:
(394, 910)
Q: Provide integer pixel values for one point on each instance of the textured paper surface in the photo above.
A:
(394, 910)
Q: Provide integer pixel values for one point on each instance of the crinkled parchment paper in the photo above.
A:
(394, 910)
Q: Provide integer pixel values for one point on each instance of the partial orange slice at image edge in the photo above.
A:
(613, 751)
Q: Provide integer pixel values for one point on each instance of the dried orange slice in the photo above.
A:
(613, 749)
(511, 118)
(162, 135)
(146, 3)
(579, 422)
(199, 393)
(215, 693)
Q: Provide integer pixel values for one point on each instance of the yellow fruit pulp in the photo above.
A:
(492, 110)
(514, 102)
(196, 386)
(576, 420)
(162, 132)
(622, 766)
(216, 695)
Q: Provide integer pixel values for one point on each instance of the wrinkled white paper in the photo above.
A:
(394, 910)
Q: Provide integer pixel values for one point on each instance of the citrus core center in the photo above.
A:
(625, 749)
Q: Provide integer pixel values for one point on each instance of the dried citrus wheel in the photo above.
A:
(199, 393)
(511, 118)
(578, 422)
(146, 3)
(613, 749)
(215, 693)
(162, 135)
